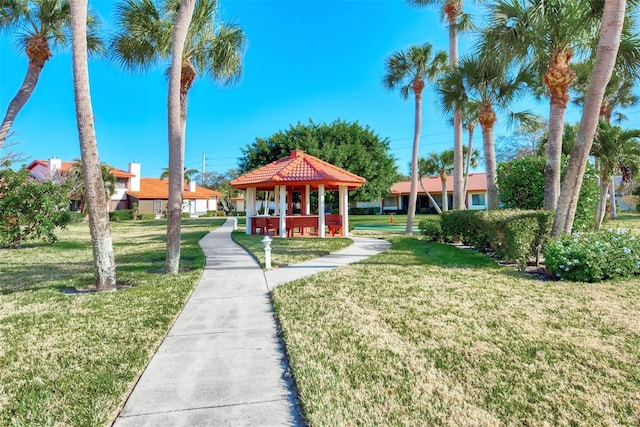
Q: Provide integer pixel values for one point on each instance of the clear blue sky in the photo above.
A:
(305, 59)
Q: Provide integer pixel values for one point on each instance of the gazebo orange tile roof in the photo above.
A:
(298, 169)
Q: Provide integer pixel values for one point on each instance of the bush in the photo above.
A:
(147, 216)
(121, 215)
(76, 217)
(431, 229)
(363, 211)
(521, 184)
(593, 256)
(513, 235)
(185, 215)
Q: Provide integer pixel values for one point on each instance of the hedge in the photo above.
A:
(513, 235)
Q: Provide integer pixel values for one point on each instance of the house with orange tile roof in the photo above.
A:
(150, 195)
(398, 199)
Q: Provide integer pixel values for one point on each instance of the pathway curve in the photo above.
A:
(222, 362)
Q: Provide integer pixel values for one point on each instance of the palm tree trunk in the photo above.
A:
(612, 22)
(445, 197)
(176, 137)
(453, 9)
(467, 164)
(103, 258)
(490, 166)
(418, 86)
(430, 197)
(24, 93)
(553, 153)
(601, 207)
(613, 213)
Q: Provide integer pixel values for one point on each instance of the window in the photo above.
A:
(477, 200)
(390, 202)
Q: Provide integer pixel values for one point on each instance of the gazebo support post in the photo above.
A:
(283, 211)
(307, 199)
(321, 210)
(276, 197)
(343, 194)
(251, 208)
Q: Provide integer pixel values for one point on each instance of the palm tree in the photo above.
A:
(488, 82)
(546, 34)
(407, 70)
(469, 120)
(144, 37)
(616, 150)
(441, 165)
(606, 53)
(187, 176)
(457, 20)
(103, 258)
(75, 179)
(40, 26)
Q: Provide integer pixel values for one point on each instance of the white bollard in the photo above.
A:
(235, 223)
(267, 252)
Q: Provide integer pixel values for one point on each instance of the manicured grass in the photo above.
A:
(289, 251)
(71, 359)
(430, 334)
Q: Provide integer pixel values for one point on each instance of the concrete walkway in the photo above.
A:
(222, 362)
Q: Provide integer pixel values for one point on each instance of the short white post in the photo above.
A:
(235, 223)
(267, 252)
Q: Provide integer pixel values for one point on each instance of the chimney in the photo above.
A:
(134, 181)
(297, 153)
(54, 165)
(192, 186)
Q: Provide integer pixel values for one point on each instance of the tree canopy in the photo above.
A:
(349, 146)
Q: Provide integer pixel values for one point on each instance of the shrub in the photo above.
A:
(121, 215)
(185, 215)
(431, 229)
(363, 211)
(147, 216)
(76, 217)
(521, 184)
(593, 256)
(514, 235)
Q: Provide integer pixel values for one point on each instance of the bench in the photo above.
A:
(334, 223)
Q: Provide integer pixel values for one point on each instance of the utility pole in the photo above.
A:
(203, 168)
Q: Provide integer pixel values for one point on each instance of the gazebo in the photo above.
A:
(300, 173)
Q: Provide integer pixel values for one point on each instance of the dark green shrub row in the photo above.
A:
(513, 235)
(147, 216)
(214, 214)
(121, 215)
(364, 211)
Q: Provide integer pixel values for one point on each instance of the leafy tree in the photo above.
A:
(521, 184)
(220, 182)
(526, 140)
(94, 188)
(39, 25)
(407, 70)
(346, 145)
(30, 209)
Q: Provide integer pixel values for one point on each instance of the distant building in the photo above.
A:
(149, 194)
(398, 200)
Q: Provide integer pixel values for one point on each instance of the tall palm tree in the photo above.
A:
(440, 164)
(101, 243)
(407, 70)
(40, 26)
(457, 20)
(470, 113)
(546, 34)
(490, 83)
(606, 53)
(145, 37)
(616, 150)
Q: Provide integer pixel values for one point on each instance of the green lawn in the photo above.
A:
(70, 359)
(430, 334)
